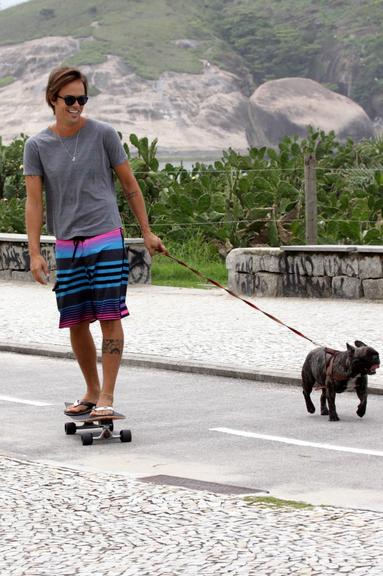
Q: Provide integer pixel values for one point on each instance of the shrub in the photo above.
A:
(241, 200)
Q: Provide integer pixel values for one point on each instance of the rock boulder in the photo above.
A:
(287, 106)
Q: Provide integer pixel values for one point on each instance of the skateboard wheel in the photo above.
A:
(125, 436)
(70, 428)
(87, 439)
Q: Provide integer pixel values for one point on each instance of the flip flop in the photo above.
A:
(102, 409)
(89, 407)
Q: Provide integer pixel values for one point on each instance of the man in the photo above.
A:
(73, 161)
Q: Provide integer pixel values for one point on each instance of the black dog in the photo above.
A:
(334, 372)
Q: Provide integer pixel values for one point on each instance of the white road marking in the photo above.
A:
(297, 442)
(20, 401)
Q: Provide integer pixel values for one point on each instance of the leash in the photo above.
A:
(251, 304)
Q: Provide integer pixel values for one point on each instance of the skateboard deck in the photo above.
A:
(87, 418)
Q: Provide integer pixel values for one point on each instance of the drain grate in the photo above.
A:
(193, 484)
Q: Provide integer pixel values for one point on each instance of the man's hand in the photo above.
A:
(153, 243)
(39, 269)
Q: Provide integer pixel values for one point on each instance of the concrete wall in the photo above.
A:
(14, 258)
(307, 271)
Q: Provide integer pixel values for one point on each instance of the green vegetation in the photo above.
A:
(5, 80)
(198, 254)
(141, 33)
(303, 38)
(241, 200)
(11, 169)
(272, 502)
(258, 198)
(336, 42)
(12, 187)
(90, 53)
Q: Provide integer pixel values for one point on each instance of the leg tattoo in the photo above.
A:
(112, 346)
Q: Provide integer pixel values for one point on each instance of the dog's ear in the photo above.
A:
(359, 343)
(350, 349)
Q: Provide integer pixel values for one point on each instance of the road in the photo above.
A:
(221, 430)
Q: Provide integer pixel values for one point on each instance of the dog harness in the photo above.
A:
(330, 355)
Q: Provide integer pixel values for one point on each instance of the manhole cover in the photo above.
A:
(193, 484)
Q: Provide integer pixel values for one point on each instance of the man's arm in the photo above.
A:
(136, 201)
(34, 222)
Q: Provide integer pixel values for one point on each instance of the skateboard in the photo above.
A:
(101, 427)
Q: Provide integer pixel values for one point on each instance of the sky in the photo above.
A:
(7, 3)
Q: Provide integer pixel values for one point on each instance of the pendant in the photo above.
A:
(74, 159)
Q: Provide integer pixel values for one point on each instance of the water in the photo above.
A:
(186, 163)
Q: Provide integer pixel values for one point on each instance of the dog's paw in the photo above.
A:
(333, 417)
(361, 412)
(310, 406)
(324, 412)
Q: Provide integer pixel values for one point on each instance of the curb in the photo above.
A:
(147, 361)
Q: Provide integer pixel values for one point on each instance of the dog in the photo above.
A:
(334, 372)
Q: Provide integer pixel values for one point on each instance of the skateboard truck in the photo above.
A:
(98, 429)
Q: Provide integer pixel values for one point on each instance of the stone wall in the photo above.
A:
(307, 271)
(14, 258)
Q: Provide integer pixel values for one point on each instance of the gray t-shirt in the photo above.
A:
(80, 194)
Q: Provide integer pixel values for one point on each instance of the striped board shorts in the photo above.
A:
(92, 278)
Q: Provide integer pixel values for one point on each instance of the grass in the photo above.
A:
(141, 33)
(168, 273)
(196, 253)
(6, 80)
(272, 502)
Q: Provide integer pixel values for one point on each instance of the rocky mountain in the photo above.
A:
(189, 113)
(169, 70)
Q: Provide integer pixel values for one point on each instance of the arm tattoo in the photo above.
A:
(130, 195)
(112, 346)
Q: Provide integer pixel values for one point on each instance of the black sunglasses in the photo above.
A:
(70, 100)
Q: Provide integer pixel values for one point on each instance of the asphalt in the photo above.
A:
(204, 331)
(226, 431)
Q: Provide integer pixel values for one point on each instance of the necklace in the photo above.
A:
(74, 155)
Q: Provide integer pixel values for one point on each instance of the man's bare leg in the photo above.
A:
(85, 351)
(112, 348)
